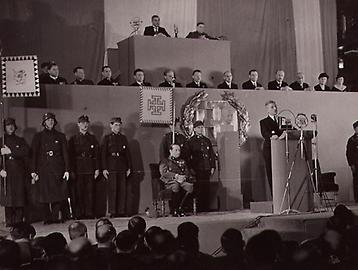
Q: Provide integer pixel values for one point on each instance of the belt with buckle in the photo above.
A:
(116, 154)
(50, 153)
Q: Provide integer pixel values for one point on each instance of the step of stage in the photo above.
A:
(286, 235)
(261, 207)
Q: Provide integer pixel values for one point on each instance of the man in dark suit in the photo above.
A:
(352, 158)
(155, 29)
(52, 76)
(116, 164)
(322, 78)
(138, 76)
(50, 168)
(299, 84)
(227, 83)
(278, 83)
(200, 32)
(252, 83)
(169, 80)
(107, 77)
(84, 161)
(202, 163)
(79, 73)
(270, 131)
(196, 83)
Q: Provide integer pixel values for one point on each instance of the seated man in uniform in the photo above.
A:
(175, 175)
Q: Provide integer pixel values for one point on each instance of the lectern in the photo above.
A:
(284, 154)
(156, 54)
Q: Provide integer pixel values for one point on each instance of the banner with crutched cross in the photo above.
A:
(156, 105)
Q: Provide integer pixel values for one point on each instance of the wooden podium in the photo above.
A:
(301, 189)
(229, 164)
(156, 54)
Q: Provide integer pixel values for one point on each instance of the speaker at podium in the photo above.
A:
(292, 185)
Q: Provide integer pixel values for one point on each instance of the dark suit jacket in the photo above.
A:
(268, 128)
(194, 85)
(273, 85)
(144, 84)
(83, 82)
(248, 85)
(166, 84)
(224, 85)
(197, 35)
(46, 79)
(318, 88)
(149, 31)
(108, 82)
(296, 86)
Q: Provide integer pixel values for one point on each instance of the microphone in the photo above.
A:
(314, 117)
(176, 30)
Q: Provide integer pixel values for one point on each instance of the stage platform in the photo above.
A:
(291, 227)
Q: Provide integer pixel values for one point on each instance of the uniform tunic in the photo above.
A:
(167, 140)
(352, 158)
(16, 172)
(116, 159)
(50, 161)
(84, 161)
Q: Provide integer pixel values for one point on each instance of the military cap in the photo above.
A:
(116, 120)
(83, 118)
(198, 123)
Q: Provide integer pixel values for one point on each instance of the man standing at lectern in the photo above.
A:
(155, 29)
(270, 131)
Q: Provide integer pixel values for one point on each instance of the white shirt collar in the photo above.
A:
(52, 77)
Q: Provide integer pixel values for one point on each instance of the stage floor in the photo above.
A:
(291, 227)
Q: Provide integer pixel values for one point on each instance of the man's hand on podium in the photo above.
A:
(283, 135)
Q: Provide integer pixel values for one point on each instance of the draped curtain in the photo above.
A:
(262, 35)
(67, 32)
(118, 14)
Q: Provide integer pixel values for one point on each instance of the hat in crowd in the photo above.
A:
(355, 124)
(323, 75)
(116, 120)
(10, 121)
(198, 123)
(47, 116)
(83, 118)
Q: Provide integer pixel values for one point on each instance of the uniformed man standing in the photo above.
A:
(167, 141)
(201, 160)
(50, 168)
(14, 151)
(116, 165)
(176, 176)
(84, 160)
(352, 158)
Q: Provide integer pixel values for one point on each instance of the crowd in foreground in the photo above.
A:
(139, 247)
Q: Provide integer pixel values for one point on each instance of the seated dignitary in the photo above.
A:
(175, 175)
(52, 76)
(169, 79)
(321, 86)
(138, 76)
(299, 84)
(196, 83)
(339, 85)
(79, 73)
(155, 29)
(279, 83)
(200, 32)
(107, 77)
(252, 83)
(227, 83)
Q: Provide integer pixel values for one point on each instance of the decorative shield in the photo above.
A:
(156, 105)
(20, 76)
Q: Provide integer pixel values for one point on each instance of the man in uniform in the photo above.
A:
(176, 176)
(270, 131)
(116, 164)
(201, 161)
(84, 160)
(14, 153)
(167, 141)
(352, 158)
(50, 169)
